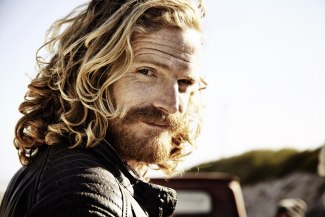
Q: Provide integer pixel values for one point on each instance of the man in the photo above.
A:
(119, 94)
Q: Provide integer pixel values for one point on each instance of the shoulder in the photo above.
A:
(74, 179)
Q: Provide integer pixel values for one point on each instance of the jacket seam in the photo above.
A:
(39, 175)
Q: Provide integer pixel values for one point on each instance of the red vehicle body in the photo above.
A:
(206, 195)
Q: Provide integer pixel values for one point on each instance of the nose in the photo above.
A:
(168, 100)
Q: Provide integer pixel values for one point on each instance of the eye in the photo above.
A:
(185, 82)
(146, 71)
(184, 85)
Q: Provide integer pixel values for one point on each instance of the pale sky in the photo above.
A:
(263, 59)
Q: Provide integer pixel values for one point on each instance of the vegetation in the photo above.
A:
(260, 165)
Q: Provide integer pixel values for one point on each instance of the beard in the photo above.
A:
(150, 145)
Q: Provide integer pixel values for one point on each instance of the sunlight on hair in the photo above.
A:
(88, 51)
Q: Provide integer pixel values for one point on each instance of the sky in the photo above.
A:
(263, 60)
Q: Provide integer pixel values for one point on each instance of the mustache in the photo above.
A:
(151, 114)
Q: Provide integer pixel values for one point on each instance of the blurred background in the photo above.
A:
(263, 60)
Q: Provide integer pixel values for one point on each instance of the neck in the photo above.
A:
(140, 169)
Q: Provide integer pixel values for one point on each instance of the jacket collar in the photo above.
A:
(155, 199)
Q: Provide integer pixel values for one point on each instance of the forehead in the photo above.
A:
(169, 43)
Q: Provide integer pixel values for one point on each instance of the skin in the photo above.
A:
(164, 75)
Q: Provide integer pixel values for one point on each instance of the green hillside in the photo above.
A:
(260, 165)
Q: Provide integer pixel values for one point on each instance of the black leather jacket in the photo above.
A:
(83, 183)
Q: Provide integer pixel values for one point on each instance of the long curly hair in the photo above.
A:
(69, 99)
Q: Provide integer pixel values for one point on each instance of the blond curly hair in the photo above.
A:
(69, 100)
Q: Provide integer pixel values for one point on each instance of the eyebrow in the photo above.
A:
(149, 60)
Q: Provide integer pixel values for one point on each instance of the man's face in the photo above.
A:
(157, 95)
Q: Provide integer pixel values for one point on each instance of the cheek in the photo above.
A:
(133, 94)
(193, 105)
(185, 101)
